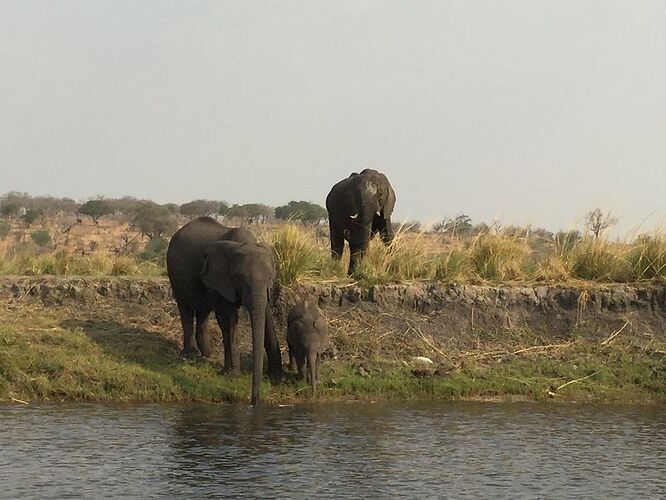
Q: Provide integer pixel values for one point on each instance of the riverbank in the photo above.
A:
(70, 339)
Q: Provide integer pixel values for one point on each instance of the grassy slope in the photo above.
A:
(60, 354)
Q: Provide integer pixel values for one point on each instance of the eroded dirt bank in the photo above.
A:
(118, 339)
(448, 310)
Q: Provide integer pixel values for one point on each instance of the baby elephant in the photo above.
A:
(307, 334)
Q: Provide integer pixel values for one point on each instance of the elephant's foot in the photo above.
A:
(232, 371)
(190, 353)
(276, 375)
(206, 351)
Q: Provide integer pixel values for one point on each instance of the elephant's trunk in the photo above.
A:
(258, 320)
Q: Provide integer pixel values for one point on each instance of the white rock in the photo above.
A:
(423, 359)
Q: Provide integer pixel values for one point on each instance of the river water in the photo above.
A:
(409, 450)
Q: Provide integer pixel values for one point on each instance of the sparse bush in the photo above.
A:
(8, 209)
(124, 266)
(155, 251)
(5, 227)
(41, 237)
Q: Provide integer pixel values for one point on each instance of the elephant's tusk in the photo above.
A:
(353, 216)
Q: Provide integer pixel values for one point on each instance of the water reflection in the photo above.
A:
(387, 450)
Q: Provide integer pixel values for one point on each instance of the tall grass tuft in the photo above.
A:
(406, 258)
(598, 260)
(296, 254)
(553, 269)
(498, 257)
(647, 257)
(453, 267)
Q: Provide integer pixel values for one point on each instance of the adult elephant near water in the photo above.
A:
(359, 207)
(215, 268)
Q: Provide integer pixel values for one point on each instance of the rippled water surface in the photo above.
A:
(417, 450)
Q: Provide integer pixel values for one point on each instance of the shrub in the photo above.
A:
(5, 227)
(124, 266)
(41, 237)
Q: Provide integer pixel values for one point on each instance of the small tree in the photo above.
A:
(303, 211)
(597, 222)
(252, 213)
(153, 220)
(41, 237)
(172, 207)
(96, 209)
(199, 208)
(223, 209)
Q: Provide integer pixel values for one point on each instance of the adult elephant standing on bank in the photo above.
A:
(359, 207)
(214, 268)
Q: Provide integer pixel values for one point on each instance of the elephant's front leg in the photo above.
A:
(337, 242)
(357, 251)
(272, 347)
(227, 319)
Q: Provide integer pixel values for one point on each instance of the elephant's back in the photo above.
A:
(185, 256)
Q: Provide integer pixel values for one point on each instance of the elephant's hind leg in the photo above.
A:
(187, 321)
(202, 334)
(357, 251)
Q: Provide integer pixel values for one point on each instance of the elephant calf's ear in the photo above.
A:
(215, 275)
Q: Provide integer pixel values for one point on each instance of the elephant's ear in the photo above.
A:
(390, 203)
(216, 273)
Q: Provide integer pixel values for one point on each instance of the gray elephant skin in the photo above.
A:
(215, 268)
(307, 334)
(359, 207)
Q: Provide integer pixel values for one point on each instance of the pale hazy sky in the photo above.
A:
(526, 111)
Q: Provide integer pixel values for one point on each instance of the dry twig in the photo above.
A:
(576, 380)
(616, 333)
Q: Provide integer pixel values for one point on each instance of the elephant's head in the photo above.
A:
(243, 274)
